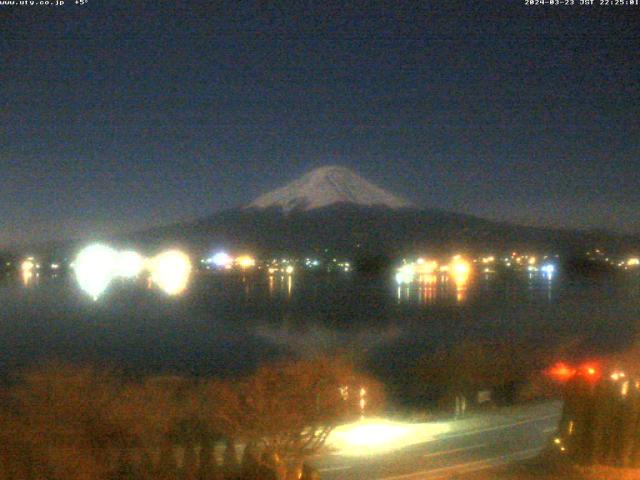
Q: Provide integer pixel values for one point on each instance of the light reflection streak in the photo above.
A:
(272, 285)
(26, 269)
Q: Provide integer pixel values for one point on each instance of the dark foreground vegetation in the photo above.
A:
(60, 422)
(601, 418)
(63, 422)
(598, 436)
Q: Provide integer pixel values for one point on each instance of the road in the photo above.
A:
(472, 444)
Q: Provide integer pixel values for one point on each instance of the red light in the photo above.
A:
(590, 370)
(561, 372)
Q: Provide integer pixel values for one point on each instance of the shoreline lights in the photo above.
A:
(97, 265)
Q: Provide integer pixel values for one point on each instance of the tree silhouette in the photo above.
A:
(601, 416)
(290, 408)
(60, 422)
(64, 422)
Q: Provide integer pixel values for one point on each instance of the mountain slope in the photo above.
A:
(332, 209)
(328, 186)
(353, 230)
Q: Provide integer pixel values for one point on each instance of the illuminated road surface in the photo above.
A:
(477, 443)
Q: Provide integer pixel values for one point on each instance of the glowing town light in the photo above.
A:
(27, 268)
(459, 265)
(615, 376)
(402, 278)
(221, 260)
(633, 262)
(405, 274)
(427, 279)
(246, 261)
(490, 259)
(95, 267)
(289, 270)
(459, 269)
(27, 265)
(532, 260)
(129, 264)
(171, 271)
(591, 371)
(548, 269)
(624, 389)
(344, 392)
(561, 372)
(426, 267)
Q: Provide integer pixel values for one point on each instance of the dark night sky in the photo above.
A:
(120, 114)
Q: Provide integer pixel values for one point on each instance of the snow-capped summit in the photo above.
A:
(326, 186)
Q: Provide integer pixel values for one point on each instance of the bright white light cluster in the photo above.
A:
(170, 271)
(221, 260)
(224, 261)
(548, 269)
(424, 270)
(405, 273)
(129, 264)
(96, 266)
(379, 436)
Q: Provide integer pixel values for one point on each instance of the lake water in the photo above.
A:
(225, 324)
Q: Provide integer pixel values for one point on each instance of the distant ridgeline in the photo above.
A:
(333, 211)
(354, 229)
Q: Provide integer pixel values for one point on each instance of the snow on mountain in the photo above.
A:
(326, 186)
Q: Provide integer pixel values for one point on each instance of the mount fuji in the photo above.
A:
(328, 186)
(332, 210)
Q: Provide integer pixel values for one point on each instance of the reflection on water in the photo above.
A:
(280, 285)
(225, 323)
(454, 284)
(431, 290)
(27, 271)
(27, 277)
(458, 286)
(424, 275)
(427, 288)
